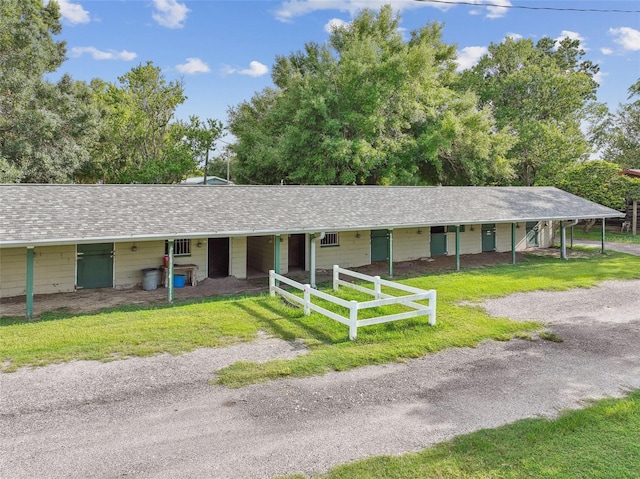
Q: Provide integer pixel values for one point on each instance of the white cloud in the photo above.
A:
(628, 38)
(514, 36)
(571, 35)
(334, 23)
(170, 13)
(193, 66)
(599, 77)
(103, 55)
(606, 51)
(73, 13)
(469, 56)
(498, 9)
(256, 69)
(291, 9)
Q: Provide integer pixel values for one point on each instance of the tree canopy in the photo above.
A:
(597, 181)
(369, 108)
(138, 142)
(540, 92)
(619, 134)
(46, 129)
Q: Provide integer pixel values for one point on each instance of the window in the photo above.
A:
(452, 229)
(330, 239)
(181, 247)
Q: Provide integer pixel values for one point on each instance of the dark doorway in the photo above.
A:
(95, 265)
(296, 252)
(218, 257)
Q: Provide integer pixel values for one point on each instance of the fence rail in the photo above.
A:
(381, 299)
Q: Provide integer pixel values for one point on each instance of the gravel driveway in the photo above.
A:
(157, 417)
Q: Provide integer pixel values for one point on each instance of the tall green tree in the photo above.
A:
(368, 108)
(139, 142)
(201, 135)
(46, 129)
(540, 92)
(620, 133)
(599, 181)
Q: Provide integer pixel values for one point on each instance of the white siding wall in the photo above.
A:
(238, 257)
(503, 237)
(129, 264)
(198, 257)
(546, 234)
(352, 251)
(284, 254)
(470, 241)
(409, 245)
(54, 270)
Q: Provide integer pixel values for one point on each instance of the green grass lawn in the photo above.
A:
(212, 323)
(601, 441)
(610, 235)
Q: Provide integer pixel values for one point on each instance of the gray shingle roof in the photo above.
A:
(58, 214)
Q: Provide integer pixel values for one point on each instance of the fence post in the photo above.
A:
(432, 305)
(307, 299)
(353, 320)
(272, 282)
(376, 286)
(336, 277)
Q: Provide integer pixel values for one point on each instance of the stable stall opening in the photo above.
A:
(218, 261)
(260, 256)
(296, 252)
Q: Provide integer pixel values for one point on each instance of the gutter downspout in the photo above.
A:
(563, 237)
(312, 257)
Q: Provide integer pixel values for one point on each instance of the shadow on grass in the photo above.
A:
(285, 323)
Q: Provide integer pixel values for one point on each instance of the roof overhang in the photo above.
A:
(249, 233)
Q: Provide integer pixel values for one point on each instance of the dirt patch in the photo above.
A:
(91, 300)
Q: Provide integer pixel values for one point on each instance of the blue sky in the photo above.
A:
(223, 50)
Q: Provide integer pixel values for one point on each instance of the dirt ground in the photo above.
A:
(83, 301)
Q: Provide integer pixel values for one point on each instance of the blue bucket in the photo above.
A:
(179, 280)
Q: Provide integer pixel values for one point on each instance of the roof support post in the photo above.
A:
(29, 285)
(276, 255)
(457, 247)
(170, 272)
(313, 239)
(634, 218)
(390, 247)
(563, 236)
(513, 243)
(603, 234)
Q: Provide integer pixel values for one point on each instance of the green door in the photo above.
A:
(488, 237)
(95, 265)
(438, 241)
(379, 245)
(532, 234)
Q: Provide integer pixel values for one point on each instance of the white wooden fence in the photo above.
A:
(381, 299)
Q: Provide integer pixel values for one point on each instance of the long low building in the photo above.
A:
(59, 238)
